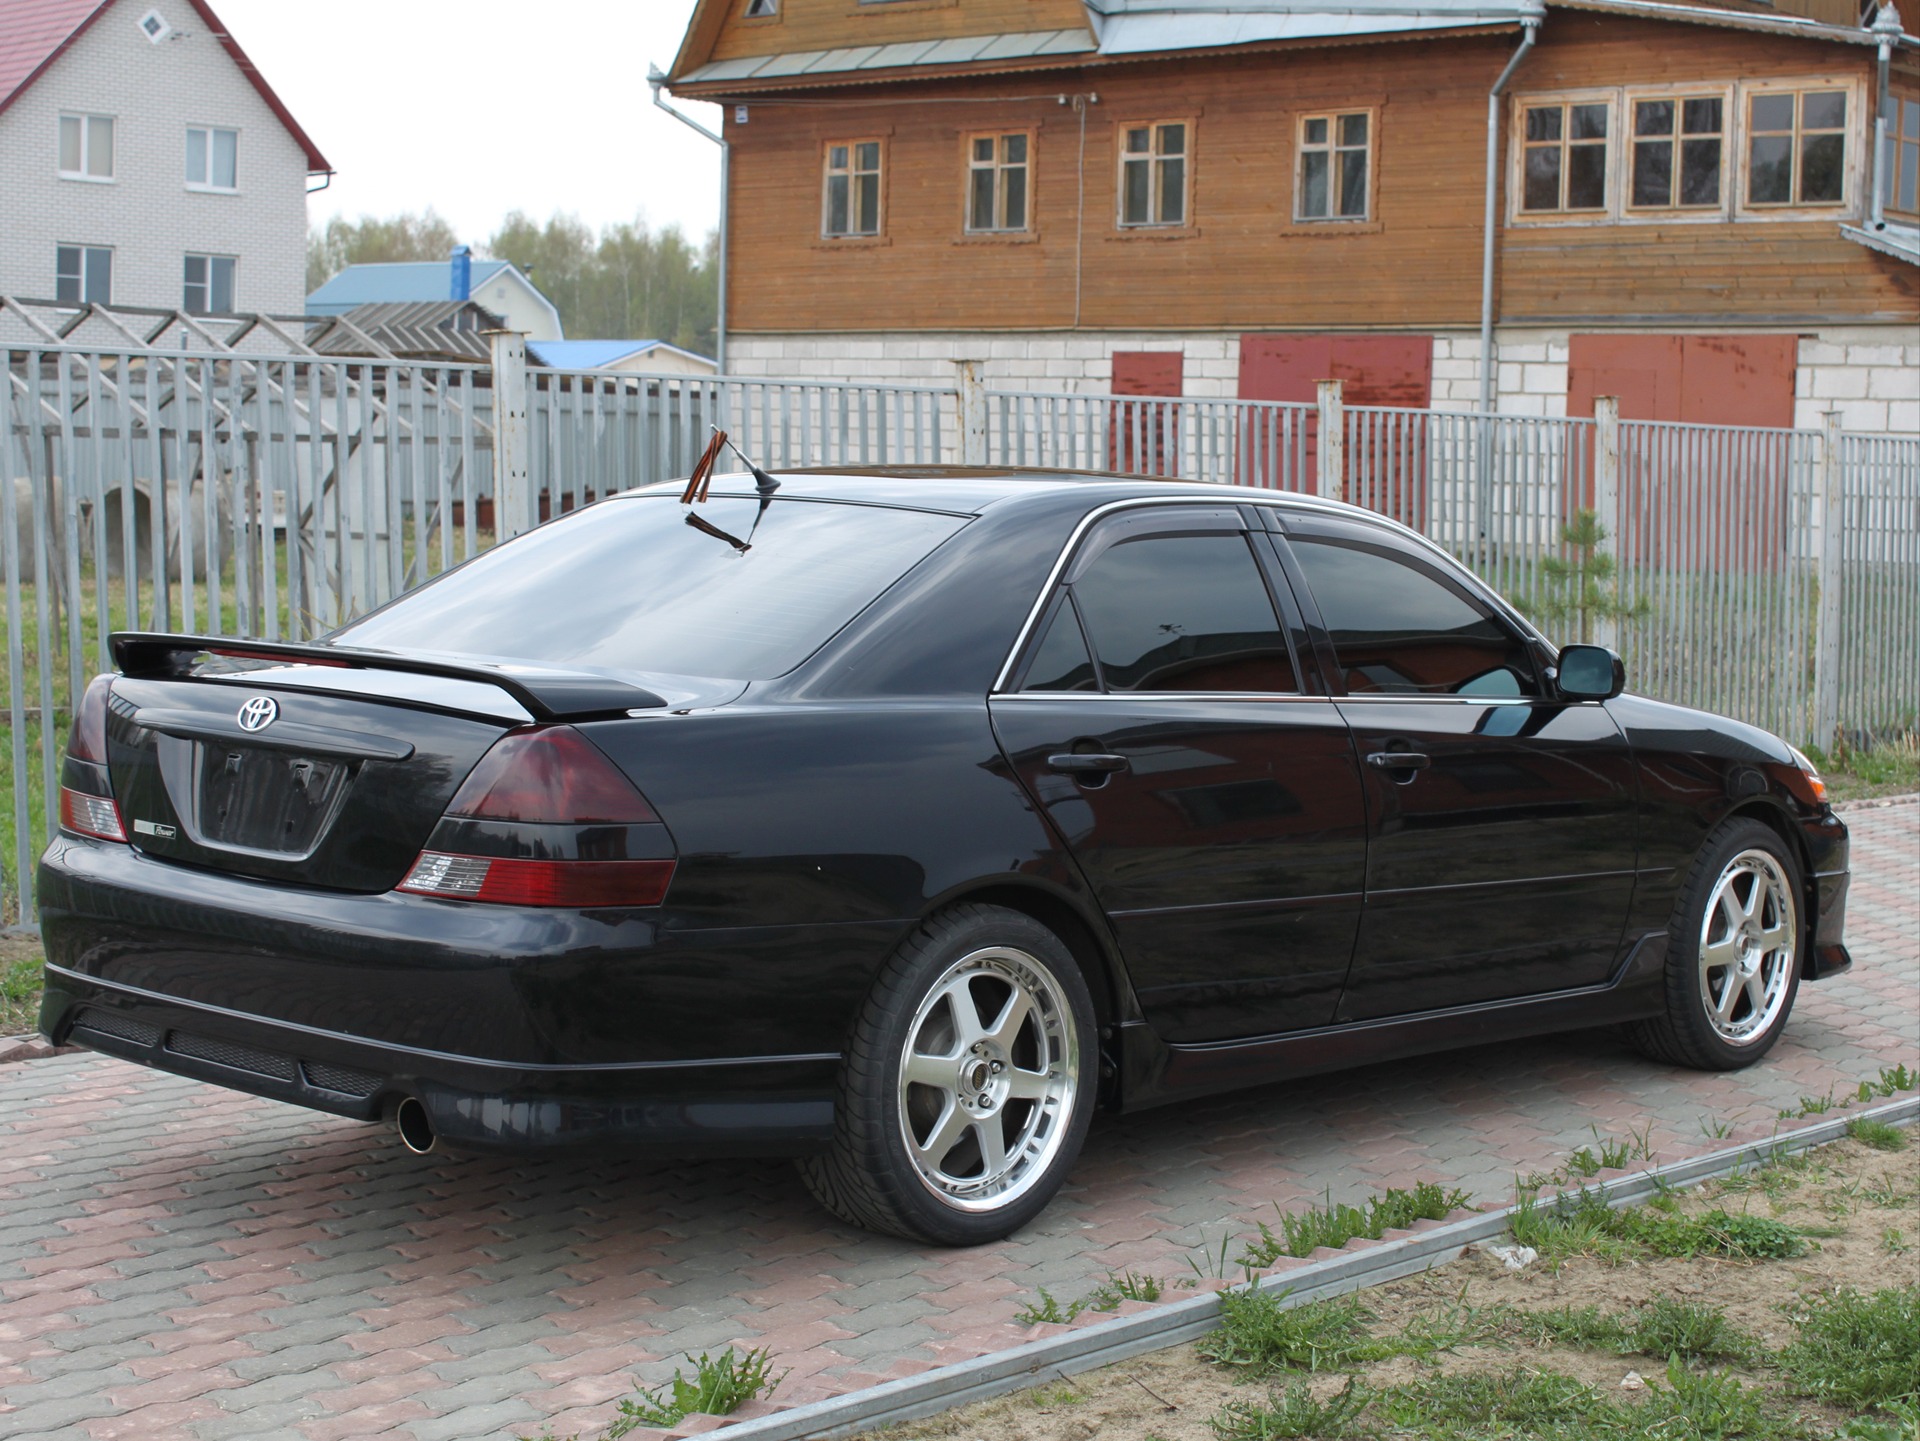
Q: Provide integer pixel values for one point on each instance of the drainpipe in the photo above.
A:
(1886, 29)
(1531, 14)
(656, 79)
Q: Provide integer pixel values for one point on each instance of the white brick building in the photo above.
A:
(144, 161)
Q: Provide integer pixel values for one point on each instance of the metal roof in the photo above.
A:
(396, 281)
(35, 33)
(1900, 241)
(596, 354)
(957, 51)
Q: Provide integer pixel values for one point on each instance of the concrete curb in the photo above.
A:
(1102, 1344)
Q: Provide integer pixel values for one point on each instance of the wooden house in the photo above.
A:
(1238, 197)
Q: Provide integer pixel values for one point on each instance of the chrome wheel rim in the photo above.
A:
(1747, 947)
(987, 1079)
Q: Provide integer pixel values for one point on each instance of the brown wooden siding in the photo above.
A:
(1243, 263)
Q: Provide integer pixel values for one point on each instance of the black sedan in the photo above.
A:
(896, 821)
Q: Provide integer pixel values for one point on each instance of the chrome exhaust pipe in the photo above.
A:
(415, 1129)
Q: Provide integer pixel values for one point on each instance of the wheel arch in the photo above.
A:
(1774, 817)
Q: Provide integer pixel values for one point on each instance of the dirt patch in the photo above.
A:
(1858, 1209)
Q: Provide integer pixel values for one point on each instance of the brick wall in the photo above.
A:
(146, 213)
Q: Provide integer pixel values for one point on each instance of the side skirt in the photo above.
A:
(1153, 1072)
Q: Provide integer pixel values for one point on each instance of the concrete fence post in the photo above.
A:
(973, 412)
(1828, 498)
(514, 510)
(1606, 503)
(1330, 457)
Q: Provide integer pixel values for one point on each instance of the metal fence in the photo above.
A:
(1773, 575)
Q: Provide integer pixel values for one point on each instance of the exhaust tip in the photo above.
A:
(415, 1129)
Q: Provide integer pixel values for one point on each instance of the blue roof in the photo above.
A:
(408, 280)
(585, 354)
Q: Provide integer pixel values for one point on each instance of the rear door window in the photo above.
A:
(632, 585)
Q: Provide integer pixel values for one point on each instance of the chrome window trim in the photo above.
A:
(1216, 496)
(1262, 697)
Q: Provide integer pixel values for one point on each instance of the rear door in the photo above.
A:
(1501, 819)
(1160, 719)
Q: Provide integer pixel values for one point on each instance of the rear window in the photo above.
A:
(634, 586)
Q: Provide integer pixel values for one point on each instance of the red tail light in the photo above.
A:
(86, 800)
(546, 775)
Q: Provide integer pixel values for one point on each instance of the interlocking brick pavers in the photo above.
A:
(181, 1261)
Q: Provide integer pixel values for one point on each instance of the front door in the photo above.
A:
(1213, 804)
(1501, 818)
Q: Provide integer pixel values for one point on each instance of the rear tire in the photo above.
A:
(968, 1086)
(1734, 953)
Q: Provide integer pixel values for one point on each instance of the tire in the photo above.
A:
(941, 1071)
(1734, 953)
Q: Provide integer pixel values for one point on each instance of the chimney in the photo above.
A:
(462, 273)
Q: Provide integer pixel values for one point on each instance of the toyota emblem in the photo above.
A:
(259, 712)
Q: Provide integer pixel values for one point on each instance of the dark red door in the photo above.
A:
(1143, 436)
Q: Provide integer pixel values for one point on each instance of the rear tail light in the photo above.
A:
(545, 776)
(86, 799)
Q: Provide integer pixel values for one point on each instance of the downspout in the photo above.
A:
(1531, 14)
(656, 79)
(1886, 29)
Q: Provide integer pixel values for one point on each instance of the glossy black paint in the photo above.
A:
(1215, 891)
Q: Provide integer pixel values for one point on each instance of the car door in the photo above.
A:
(1157, 716)
(1501, 818)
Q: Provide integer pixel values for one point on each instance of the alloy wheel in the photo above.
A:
(1747, 947)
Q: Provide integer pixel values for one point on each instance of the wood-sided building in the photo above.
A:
(1237, 197)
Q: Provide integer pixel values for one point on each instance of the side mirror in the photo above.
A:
(1591, 672)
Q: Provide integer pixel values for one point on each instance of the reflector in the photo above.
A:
(90, 815)
(539, 883)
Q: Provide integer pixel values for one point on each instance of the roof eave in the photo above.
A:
(1725, 19)
(54, 54)
(1902, 242)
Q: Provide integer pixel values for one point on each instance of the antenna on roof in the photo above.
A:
(762, 482)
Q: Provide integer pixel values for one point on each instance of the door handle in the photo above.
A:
(1399, 760)
(1075, 763)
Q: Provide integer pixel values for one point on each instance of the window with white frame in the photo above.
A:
(997, 167)
(1901, 188)
(83, 274)
(851, 203)
(208, 285)
(1679, 147)
(1564, 164)
(1796, 147)
(1153, 174)
(212, 158)
(86, 147)
(1335, 161)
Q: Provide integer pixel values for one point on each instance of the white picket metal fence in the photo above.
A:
(1769, 574)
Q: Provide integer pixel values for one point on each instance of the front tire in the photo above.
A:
(1734, 953)
(968, 1085)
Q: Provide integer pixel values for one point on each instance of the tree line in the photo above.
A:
(629, 282)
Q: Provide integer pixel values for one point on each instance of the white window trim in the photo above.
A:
(209, 257)
(1733, 204)
(83, 248)
(1333, 148)
(206, 187)
(1154, 162)
(112, 176)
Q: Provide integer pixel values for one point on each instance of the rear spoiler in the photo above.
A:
(544, 695)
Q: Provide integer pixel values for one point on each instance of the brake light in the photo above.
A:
(86, 799)
(544, 776)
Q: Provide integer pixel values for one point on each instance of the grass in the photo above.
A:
(1890, 1082)
(1663, 1328)
(1857, 1350)
(1877, 1134)
(719, 1386)
(1891, 767)
(1107, 1296)
(1583, 1223)
(20, 984)
(1333, 1225)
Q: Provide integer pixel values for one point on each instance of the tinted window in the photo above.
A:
(1184, 613)
(1398, 628)
(632, 586)
(1062, 662)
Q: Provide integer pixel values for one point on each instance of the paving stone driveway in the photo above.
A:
(177, 1260)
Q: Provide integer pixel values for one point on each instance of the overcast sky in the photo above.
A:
(479, 107)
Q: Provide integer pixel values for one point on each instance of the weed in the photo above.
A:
(1811, 1106)
(1715, 1130)
(1892, 1079)
(1060, 1395)
(1291, 1413)
(1570, 1225)
(719, 1385)
(1584, 1224)
(1216, 1267)
(1855, 1350)
(1048, 1311)
(1717, 1233)
(1892, 1242)
(1334, 1225)
(1107, 1296)
(1877, 1134)
(1664, 1328)
(1260, 1332)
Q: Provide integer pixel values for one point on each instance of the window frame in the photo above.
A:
(1851, 154)
(1899, 145)
(852, 172)
(85, 121)
(1155, 162)
(999, 167)
(207, 283)
(83, 250)
(207, 186)
(1631, 98)
(1332, 149)
(1518, 147)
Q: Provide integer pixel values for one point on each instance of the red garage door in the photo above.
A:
(1704, 379)
(1143, 436)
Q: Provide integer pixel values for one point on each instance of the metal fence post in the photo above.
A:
(973, 413)
(513, 510)
(1330, 459)
(1606, 504)
(1828, 494)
